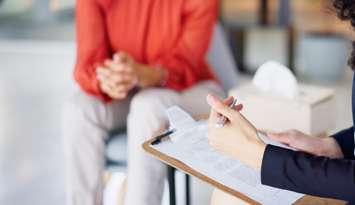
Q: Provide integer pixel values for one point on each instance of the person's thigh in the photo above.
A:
(118, 112)
(86, 123)
(83, 108)
(147, 108)
(145, 174)
(150, 104)
(194, 99)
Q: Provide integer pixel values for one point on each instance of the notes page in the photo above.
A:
(193, 149)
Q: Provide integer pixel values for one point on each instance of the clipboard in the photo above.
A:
(148, 146)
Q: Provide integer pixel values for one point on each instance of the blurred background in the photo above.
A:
(37, 53)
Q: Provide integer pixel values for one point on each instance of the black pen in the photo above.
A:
(162, 136)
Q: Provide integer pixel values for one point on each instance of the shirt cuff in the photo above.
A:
(345, 140)
(273, 165)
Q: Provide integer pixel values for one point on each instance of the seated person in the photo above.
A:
(134, 59)
(323, 167)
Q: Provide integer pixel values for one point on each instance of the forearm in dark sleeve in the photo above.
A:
(308, 174)
(345, 140)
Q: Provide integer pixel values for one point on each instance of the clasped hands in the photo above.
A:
(118, 76)
(238, 138)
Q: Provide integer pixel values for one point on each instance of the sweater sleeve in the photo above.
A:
(308, 174)
(183, 63)
(92, 46)
(345, 140)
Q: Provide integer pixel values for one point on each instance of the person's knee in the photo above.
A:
(79, 112)
(147, 111)
(153, 101)
(80, 105)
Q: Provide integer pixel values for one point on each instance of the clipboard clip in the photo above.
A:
(179, 120)
(161, 137)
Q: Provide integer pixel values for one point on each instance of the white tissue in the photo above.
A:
(276, 79)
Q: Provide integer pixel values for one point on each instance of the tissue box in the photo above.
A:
(312, 112)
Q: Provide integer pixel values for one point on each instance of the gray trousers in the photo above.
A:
(86, 123)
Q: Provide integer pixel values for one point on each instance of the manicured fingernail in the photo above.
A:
(238, 107)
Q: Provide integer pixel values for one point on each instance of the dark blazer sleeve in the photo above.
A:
(345, 140)
(308, 174)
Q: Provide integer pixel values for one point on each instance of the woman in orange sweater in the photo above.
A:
(135, 58)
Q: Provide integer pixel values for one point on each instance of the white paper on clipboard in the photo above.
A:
(190, 145)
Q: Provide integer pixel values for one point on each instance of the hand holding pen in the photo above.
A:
(237, 137)
(232, 103)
